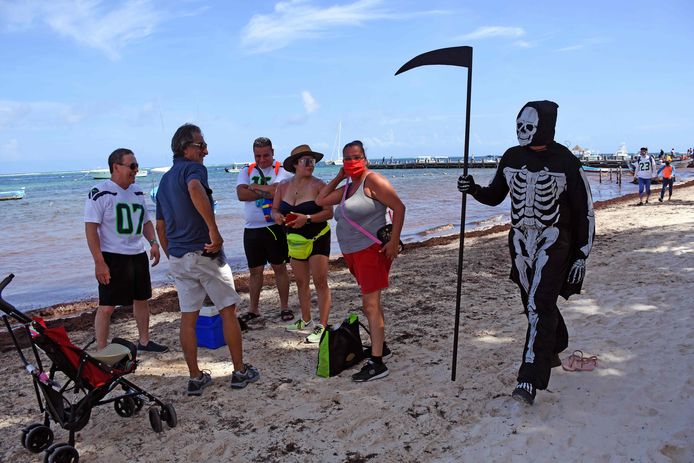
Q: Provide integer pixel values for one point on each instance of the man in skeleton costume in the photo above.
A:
(552, 228)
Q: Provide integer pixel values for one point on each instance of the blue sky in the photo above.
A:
(81, 78)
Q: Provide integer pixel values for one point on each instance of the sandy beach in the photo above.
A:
(634, 314)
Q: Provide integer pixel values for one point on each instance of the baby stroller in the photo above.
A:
(89, 377)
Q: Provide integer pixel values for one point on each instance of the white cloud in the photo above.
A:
(294, 20)
(93, 23)
(494, 31)
(310, 103)
(387, 140)
(571, 48)
(42, 115)
(523, 44)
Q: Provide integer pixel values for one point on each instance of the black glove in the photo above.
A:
(466, 184)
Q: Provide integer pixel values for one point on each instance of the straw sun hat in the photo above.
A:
(297, 153)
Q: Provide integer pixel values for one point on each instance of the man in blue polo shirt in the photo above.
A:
(190, 238)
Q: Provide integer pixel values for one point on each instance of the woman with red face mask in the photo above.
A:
(363, 203)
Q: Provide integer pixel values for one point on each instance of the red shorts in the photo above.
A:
(370, 267)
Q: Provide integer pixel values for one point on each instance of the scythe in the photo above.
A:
(453, 56)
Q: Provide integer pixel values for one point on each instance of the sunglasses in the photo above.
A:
(132, 165)
(307, 162)
(202, 145)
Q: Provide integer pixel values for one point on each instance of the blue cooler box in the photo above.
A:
(209, 329)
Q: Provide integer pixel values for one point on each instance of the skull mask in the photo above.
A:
(526, 125)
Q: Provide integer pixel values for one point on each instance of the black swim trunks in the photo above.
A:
(266, 244)
(130, 279)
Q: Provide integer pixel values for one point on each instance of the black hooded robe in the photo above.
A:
(552, 225)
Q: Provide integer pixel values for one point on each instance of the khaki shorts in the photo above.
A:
(196, 275)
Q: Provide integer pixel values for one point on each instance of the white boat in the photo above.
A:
(336, 155)
(235, 167)
(12, 195)
(621, 154)
(160, 170)
(103, 174)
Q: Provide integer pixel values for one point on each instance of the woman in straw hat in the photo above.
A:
(308, 236)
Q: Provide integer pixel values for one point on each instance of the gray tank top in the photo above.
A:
(365, 211)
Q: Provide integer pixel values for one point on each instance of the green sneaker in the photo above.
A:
(300, 325)
(316, 334)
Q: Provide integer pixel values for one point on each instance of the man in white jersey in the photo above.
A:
(116, 219)
(263, 240)
(644, 171)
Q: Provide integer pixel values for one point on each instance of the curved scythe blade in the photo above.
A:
(452, 56)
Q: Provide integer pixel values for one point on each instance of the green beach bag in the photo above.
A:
(340, 348)
(300, 247)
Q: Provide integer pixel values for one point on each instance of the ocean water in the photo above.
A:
(43, 240)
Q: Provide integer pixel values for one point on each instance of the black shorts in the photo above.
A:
(263, 245)
(321, 247)
(129, 279)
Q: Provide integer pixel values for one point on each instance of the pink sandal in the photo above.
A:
(577, 362)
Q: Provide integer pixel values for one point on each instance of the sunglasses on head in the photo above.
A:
(132, 165)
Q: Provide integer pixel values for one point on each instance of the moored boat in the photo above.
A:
(235, 167)
(12, 195)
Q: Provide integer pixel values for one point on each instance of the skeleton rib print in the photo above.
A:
(534, 197)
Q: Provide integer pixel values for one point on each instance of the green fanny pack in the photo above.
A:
(300, 247)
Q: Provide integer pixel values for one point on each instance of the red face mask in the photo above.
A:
(354, 167)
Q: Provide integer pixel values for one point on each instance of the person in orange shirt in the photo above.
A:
(667, 171)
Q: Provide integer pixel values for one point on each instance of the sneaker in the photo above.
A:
(525, 393)
(660, 200)
(195, 386)
(370, 371)
(300, 325)
(152, 346)
(639, 204)
(385, 355)
(240, 379)
(315, 336)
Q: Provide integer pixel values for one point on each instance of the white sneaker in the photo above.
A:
(315, 336)
(300, 325)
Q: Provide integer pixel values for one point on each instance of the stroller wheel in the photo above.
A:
(155, 419)
(138, 403)
(26, 430)
(61, 453)
(168, 414)
(38, 438)
(125, 406)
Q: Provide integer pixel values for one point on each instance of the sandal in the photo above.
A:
(286, 315)
(248, 316)
(577, 362)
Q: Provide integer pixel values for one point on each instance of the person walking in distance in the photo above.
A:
(667, 171)
(644, 172)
